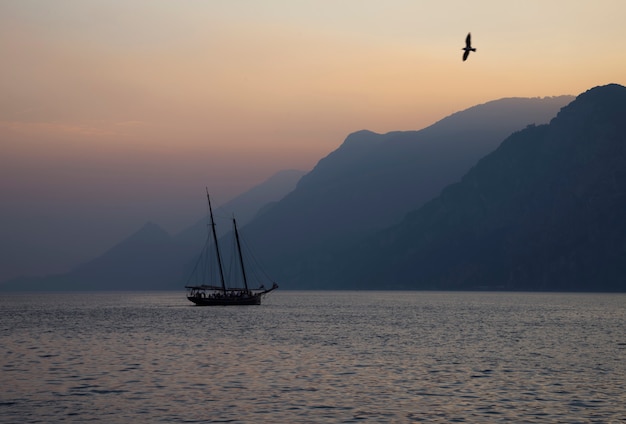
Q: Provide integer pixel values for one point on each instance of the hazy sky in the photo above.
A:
(113, 113)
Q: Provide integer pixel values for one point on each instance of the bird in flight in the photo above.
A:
(468, 46)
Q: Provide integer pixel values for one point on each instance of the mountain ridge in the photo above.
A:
(551, 220)
(372, 180)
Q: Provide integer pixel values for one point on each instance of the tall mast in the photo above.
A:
(243, 270)
(217, 248)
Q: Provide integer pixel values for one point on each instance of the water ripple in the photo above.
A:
(314, 357)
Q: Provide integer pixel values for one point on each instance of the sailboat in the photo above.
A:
(212, 289)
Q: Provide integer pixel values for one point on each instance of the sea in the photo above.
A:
(313, 357)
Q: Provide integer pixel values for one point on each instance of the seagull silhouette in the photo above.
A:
(468, 46)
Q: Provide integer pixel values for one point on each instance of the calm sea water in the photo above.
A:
(313, 357)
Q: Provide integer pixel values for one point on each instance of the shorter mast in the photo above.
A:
(217, 248)
(243, 270)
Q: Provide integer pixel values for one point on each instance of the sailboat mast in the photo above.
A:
(243, 270)
(217, 248)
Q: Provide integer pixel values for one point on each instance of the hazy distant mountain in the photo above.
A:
(373, 180)
(151, 259)
(545, 211)
(245, 206)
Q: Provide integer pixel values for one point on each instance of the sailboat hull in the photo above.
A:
(225, 301)
(209, 296)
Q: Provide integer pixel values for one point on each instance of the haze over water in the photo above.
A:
(116, 113)
(314, 357)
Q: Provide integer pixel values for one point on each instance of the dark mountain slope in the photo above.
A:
(545, 211)
(373, 180)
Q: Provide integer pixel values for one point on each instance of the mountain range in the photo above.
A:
(372, 180)
(544, 211)
(490, 197)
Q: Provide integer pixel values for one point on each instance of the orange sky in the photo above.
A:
(114, 112)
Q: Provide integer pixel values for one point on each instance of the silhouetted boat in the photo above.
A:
(212, 289)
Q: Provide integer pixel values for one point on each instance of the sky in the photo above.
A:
(114, 113)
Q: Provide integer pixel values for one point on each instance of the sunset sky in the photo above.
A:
(114, 113)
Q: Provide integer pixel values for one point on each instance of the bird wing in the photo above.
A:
(465, 54)
(468, 40)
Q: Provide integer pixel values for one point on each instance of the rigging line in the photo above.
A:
(253, 258)
(195, 267)
(231, 266)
